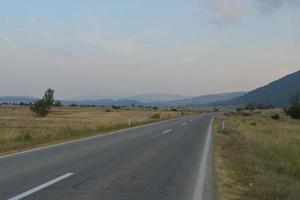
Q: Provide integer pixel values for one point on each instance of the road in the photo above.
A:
(168, 160)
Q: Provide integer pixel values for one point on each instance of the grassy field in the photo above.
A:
(257, 157)
(20, 129)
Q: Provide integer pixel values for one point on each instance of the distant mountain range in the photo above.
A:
(140, 100)
(156, 98)
(205, 99)
(17, 99)
(161, 100)
(105, 102)
(277, 93)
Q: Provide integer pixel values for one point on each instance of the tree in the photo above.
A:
(42, 107)
(294, 109)
(49, 97)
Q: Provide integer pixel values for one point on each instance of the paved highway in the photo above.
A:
(168, 160)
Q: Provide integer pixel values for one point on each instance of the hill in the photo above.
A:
(205, 99)
(277, 93)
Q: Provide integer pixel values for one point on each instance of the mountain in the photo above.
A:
(156, 98)
(17, 99)
(277, 93)
(105, 102)
(205, 99)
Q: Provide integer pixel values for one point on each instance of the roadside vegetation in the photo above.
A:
(20, 128)
(257, 155)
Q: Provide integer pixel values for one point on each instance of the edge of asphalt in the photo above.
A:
(88, 138)
(203, 188)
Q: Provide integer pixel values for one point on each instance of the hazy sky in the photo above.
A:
(125, 47)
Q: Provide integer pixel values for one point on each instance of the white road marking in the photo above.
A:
(40, 187)
(199, 188)
(167, 131)
(183, 124)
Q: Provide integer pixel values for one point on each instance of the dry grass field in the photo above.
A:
(257, 157)
(20, 129)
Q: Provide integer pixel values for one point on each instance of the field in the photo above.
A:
(257, 157)
(20, 129)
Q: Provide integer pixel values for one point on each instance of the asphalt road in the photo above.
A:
(167, 160)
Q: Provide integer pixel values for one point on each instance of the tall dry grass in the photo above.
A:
(257, 157)
(20, 129)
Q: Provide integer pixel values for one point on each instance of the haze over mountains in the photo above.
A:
(144, 100)
(155, 98)
(277, 93)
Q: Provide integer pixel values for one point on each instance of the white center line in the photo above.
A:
(40, 187)
(167, 131)
(183, 124)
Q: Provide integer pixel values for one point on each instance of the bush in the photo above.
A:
(155, 116)
(115, 107)
(253, 106)
(245, 114)
(253, 123)
(239, 109)
(294, 109)
(41, 108)
(27, 137)
(250, 106)
(275, 117)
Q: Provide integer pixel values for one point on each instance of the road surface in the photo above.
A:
(169, 160)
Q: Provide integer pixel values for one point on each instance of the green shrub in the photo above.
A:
(239, 109)
(27, 137)
(275, 117)
(294, 109)
(253, 123)
(155, 116)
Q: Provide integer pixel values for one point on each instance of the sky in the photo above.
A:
(119, 48)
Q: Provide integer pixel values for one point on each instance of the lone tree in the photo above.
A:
(42, 107)
(294, 109)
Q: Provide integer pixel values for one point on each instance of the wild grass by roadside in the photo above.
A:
(257, 156)
(20, 129)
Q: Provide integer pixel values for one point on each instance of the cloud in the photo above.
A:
(5, 38)
(231, 11)
(227, 10)
(272, 5)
